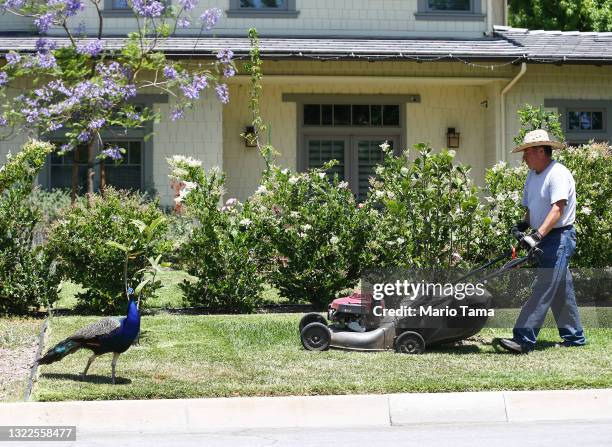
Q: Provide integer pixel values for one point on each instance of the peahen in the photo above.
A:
(106, 335)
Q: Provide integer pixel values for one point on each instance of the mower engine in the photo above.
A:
(354, 312)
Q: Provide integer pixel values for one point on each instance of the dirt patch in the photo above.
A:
(18, 345)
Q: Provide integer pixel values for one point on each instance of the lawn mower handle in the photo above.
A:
(518, 235)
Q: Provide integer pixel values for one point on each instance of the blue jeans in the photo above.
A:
(552, 288)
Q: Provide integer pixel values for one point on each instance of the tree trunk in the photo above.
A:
(90, 172)
(102, 178)
(75, 176)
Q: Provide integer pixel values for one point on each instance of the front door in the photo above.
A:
(357, 157)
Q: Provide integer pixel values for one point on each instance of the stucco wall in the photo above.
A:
(391, 18)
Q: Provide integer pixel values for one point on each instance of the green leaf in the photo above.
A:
(141, 286)
(119, 246)
(139, 224)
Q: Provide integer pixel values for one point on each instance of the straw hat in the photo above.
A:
(538, 138)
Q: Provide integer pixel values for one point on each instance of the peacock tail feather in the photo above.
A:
(59, 351)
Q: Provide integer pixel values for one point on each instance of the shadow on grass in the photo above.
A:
(449, 349)
(90, 378)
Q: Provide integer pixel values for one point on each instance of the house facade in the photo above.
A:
(341, 76)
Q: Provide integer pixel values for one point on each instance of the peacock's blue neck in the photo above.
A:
(132, 320)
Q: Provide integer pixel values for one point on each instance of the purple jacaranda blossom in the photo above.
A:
(222, 93)
(3, 121)
(32, 116)
(13, 4)
(225, 56)
(84, 136)
(229, 71)
(170, 72)
(177, 114)
(114, 153)
(183, 22)
(133, 116)
(44, 22)
(129, 91)
(45, 60)
(192, 90)
(12, 58)
(91, 48)
(72, 7)
(188, 5)
(3, 79)
(96, 124)
(43, 45)
(148, 8)
(54, 126)
(66, 147)
(210, 18)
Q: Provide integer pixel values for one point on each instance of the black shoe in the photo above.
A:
(510, 345)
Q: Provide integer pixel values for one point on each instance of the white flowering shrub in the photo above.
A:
(219, 251)
(428, 210)
(591, 166)
(311, 234)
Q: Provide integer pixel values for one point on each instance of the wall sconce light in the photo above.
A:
(250, 139)
(452, 138)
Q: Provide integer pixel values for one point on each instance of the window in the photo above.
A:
(264, 4)
(262, 8)
(450, 10)
(582, 120)
(116, 8)
(449, 5)
(126, 175)
(60, 168)
(120, 4)
(358, 115)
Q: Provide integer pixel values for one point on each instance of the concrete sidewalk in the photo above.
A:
(194, 415)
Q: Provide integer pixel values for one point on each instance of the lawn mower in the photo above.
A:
(358, 322)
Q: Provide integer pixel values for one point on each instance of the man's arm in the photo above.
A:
(553, 216)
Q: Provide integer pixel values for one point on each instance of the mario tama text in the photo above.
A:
(432, 311)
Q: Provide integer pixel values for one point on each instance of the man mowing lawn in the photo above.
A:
(550, 197)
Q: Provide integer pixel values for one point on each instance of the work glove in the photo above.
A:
(521, 226)
(530, 242)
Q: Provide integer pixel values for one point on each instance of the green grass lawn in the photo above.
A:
(18, 342)
(261, 355)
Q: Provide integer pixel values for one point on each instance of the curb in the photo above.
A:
(197, 415)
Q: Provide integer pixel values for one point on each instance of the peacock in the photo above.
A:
(104, 336)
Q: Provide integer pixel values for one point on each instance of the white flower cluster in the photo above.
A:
(179, 165)
(230, 204)
(177, 160)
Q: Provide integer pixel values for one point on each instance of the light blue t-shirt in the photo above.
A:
(549, 186)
